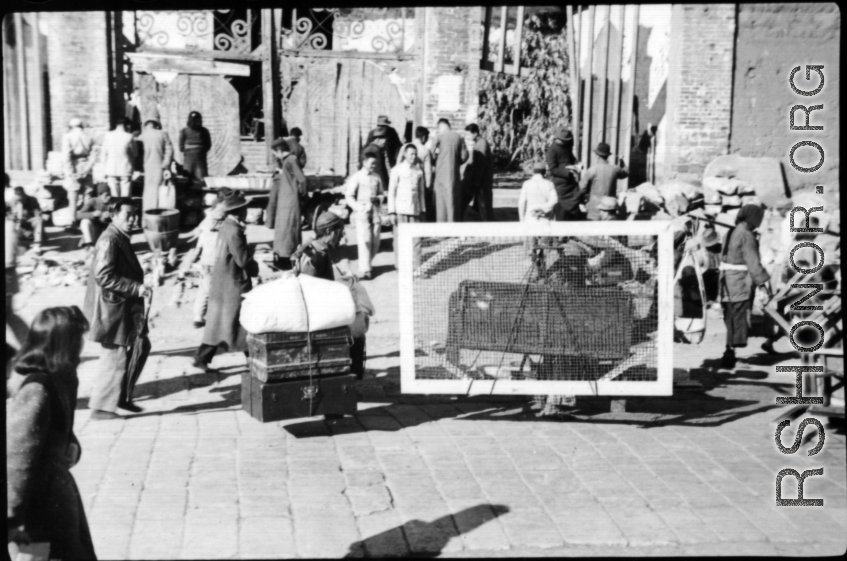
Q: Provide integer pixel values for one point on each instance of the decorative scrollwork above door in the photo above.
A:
(374, 30)
(233, 31)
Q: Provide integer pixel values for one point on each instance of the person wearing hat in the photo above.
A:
(289, 186)
(537, 200)
(208, 245)
(406, 196)
(378, 149)
(157, 157)
(392, 139)
(114, 305)
(601, 180)
(363, 193)
(741, 271)
(195, 143)
(78, 159)
(295, 145)
(315, 258)
(450, 153)
(230, 281)
(94, 215)
(118, 153)
(561, 170)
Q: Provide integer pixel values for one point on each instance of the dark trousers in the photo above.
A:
(357, 356)
(282, 263)
(205, 353)
(483, 203)
(568, 215)
(735, 316)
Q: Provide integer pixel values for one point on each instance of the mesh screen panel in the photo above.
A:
(534, 309)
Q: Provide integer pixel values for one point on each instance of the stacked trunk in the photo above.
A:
(299, 375)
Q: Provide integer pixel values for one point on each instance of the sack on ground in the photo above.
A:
(296, 304)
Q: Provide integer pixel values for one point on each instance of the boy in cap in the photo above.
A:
(362, 194)
(538, 199)
(315, 257)
(601, 180)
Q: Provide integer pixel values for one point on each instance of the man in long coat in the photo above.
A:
(450, 154)
(740, 271)
(392, 139)
(158, 154)
(560, 159)
(284, 205)
(480, 176)
(230, 280)
(114, 306)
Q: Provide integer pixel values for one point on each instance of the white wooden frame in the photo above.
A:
(661, 387)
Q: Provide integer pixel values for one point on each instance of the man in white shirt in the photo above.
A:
(538, 199)
(118, 152)
(362, 195)
(406, 203)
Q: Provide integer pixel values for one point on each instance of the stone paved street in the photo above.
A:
(195, 477)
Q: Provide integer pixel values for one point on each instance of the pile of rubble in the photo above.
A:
(729, 183)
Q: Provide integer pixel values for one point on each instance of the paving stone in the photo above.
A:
(588, 526)
(324, 533)
(363, 478)
(367, 500)
(642, 527)
(207, 535)
(531, 528)
(730, 525)
(266, 538)
(155, 539)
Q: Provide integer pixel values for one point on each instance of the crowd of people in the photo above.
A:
(432, 179)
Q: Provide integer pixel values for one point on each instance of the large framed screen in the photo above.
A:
(578, 308)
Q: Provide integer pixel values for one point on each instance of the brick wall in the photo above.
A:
(699, 88)
(77, 62)
(254, 154)
(452, 46)
(773, 39)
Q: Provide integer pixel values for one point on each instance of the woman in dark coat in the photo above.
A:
(194, 143)
(740, 271)
(284, 204)
(230, 279)
(44, 504)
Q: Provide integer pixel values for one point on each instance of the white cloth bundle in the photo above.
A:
(296, 304)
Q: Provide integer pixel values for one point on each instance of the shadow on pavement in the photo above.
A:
(426, 539)
(161, 388)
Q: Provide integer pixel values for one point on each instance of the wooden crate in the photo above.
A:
(294, 399)
(282, 356)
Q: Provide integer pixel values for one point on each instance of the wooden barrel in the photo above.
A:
(161, 228)
(161, 220)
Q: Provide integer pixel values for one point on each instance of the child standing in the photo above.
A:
(206, 235)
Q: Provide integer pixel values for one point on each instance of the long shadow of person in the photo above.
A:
(426, 539)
